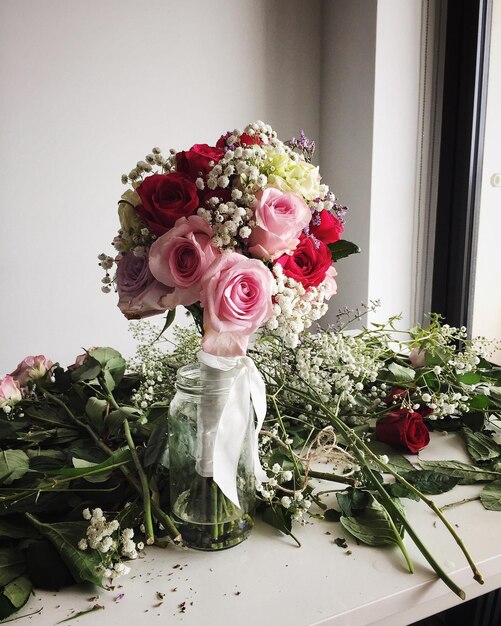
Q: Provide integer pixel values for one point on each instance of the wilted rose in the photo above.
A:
(10, 392)
(31, 368)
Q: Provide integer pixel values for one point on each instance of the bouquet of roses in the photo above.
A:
(244, 235)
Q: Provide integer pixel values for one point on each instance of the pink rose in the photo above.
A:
(10, 393)
(417, 357)
(81, 359)
(236, 296)
(139, 293)
(31, 368)
(330, 282)
(180, 258)
(280, 218)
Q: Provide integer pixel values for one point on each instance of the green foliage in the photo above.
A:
(341, 249)
(373, 525)
(430, 482)
(467, 474)
(480, 447)
(490, 496)
(65, 537)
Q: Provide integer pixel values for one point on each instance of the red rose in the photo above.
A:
(403, 429)
(224, 195)
(326, 227)
(244, 140)
(396, 395)
(164, 199)
(309, 262)
(196, 160)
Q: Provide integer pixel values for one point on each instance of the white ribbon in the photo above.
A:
(248, 385)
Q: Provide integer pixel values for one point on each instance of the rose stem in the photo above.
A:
(166, 520)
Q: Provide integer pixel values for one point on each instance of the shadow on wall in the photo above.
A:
(292, 40)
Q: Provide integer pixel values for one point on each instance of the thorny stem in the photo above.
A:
(335, 478)
(161, 515)
(453, 504)
(367, 451)
(145, 488)
(360, 449)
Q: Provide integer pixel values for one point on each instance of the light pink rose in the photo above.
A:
(10, 393)
(81, 359)
(31, 368)
(280, 218)
(180, 257)
(330, 282)
(417, 357)
(236, 296)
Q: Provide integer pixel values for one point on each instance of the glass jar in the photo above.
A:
(206, 518)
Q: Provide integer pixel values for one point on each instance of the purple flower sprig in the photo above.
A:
(303, 145)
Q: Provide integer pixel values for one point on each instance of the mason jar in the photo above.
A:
(206, 518)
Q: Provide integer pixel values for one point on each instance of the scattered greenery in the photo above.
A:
(93, 436)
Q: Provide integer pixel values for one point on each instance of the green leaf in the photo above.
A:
(15, 527)
(95, 409)
(12, 565)
(490, 496)
(6, 607)
(372, 526)
(87, 468)
(438, 356)
(474, 421)
(480, 401)
(157, 449)
(38, 554)
(116, 418)
(467, 474)
(430, 482)
(15, 463)
(112, 365)
(479, 446)
(65, 537)
(92, 478)
(341, 249)
(276, 518)
(169, 318)
(88, 371)
(331, 515)
(470, 378)
(44, 414)
(395, 460)
(401, 374)
(104, 355)
(397, 490)
(18, 591)
(352, 501)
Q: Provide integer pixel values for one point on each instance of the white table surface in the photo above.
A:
(267, 580)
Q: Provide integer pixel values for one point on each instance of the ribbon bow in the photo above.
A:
(248, 385)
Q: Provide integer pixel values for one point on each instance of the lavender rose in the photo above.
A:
(140, 294)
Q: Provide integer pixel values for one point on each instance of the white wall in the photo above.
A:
(347, 106)
(370, 116)
(486, 319)
(88, 88)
